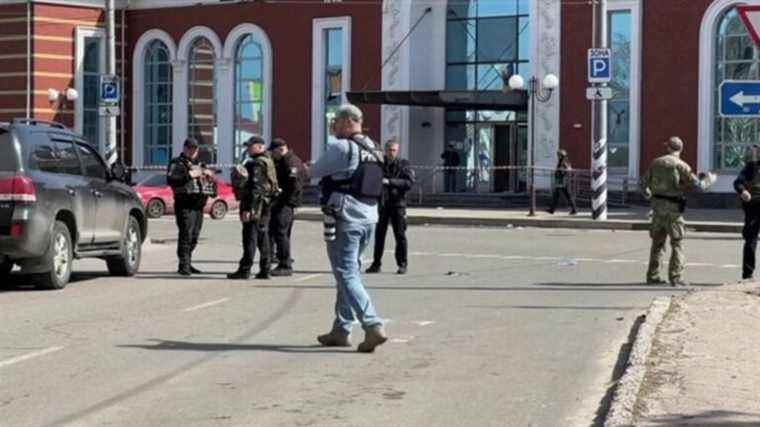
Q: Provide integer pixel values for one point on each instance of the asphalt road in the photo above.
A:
(491, 327)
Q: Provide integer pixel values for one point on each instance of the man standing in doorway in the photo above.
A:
(664, 184)
(255, 204)
(747, 185)
(185, 175)
(352, 170)
(451, 161)
(398, 180)
(290, 176)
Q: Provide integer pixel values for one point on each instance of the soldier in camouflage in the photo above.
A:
(664, 185)
(255, 204)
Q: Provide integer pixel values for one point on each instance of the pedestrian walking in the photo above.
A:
(451, 161)
(290, 177)
(562, 183)
(352, 173)
(664, 185)
(260, 188)
(397, 181)
(747, 185)
(192, 183)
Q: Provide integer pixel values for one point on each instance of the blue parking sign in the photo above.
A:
(740, 98)
(109, 90)
(599, 65)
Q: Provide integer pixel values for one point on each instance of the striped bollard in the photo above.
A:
(599, 181)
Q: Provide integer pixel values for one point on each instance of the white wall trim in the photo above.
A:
(81, 34)
(138, 90)
(318, 82)
(227, 81)
(634, 135)
(180, 119)
(706, 101)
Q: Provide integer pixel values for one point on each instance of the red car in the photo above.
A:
(158, 199)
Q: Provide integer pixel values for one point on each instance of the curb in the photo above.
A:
(700, 227)
(627, 391)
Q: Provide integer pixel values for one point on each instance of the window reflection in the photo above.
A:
(202, 107)
(158, 105)
(249, 93)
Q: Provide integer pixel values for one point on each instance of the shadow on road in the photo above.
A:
(168, 345)
(26, 283)
(571, 288)
(630, 285)
(708, 418)
(556, 307)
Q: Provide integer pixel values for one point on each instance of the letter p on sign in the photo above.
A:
(599, 66)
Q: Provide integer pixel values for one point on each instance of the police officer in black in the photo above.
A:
(255, 208)
(185, 175)
(290, 177)
(398, 180)
(747, 185)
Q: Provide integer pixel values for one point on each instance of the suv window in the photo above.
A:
(93, 166)
(43, 156)
(67, 152)
(7, 152)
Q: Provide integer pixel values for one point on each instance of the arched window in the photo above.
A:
(249, 92)
(158, 104)
(736, 58)
(202, 106)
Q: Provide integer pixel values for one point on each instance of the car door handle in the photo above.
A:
(71, 192)
(97, 193)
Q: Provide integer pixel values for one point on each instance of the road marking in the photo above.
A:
(206, 305)
(309, 277)
(424, 322)
(24, 357)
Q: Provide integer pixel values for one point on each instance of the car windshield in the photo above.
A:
(157, 180)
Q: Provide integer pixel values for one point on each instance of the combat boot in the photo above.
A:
(373, 269)
(656, 281)
(373, 337)
(334, 339)
(263, 275)
(679, 283)
(241, 274)
(281, 271)
(401, 270)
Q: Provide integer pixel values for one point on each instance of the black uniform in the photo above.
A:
(749, 180)
(189, 202)
(261, 184)
(562, 186)
(290, 171)
(400, 176)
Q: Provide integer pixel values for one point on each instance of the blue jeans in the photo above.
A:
(345, 257)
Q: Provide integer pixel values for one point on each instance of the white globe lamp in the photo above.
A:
(516, 82)
(551, 82)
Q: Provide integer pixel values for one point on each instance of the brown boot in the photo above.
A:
(373, 337)
(334, 339)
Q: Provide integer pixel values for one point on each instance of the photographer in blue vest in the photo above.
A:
(352, 181)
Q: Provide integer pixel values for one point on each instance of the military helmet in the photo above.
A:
(675, 144)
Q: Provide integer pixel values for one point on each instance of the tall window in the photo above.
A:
(485, 39)
(249, 93)
(619, 107)
(736, 58)
(158, 104)
(91, 71)
(333, 75)
(202, 107)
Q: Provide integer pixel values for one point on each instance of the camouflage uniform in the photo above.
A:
(665, 182)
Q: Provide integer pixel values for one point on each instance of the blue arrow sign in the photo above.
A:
(740, 98)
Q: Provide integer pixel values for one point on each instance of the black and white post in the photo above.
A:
(109, 151)
(599, 124)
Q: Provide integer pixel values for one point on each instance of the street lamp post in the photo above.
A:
(538, 91)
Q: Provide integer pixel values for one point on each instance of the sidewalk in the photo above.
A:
(703, 368)
(635, 218)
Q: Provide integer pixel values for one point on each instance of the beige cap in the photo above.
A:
(675, 144)
(349, 111)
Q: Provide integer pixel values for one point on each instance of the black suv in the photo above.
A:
(59, 201)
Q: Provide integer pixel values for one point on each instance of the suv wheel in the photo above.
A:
(156, 208)
(218, 210)
(131, 252)
(62, 259)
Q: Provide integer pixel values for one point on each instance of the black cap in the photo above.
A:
(191, 143)
(254, 140)
(277, 143)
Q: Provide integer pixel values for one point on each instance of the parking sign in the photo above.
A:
(599, 66)
(109, 90)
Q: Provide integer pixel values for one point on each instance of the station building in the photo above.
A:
(428, 72)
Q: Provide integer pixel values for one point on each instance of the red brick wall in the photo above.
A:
(670, 77)
(574, 108)
(13, 31)
(289, 27)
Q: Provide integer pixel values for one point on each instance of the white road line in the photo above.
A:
(208, 304)
(24, 357)
(307, 278)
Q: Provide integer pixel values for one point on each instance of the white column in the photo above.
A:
(225, 113)
(179, 98)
